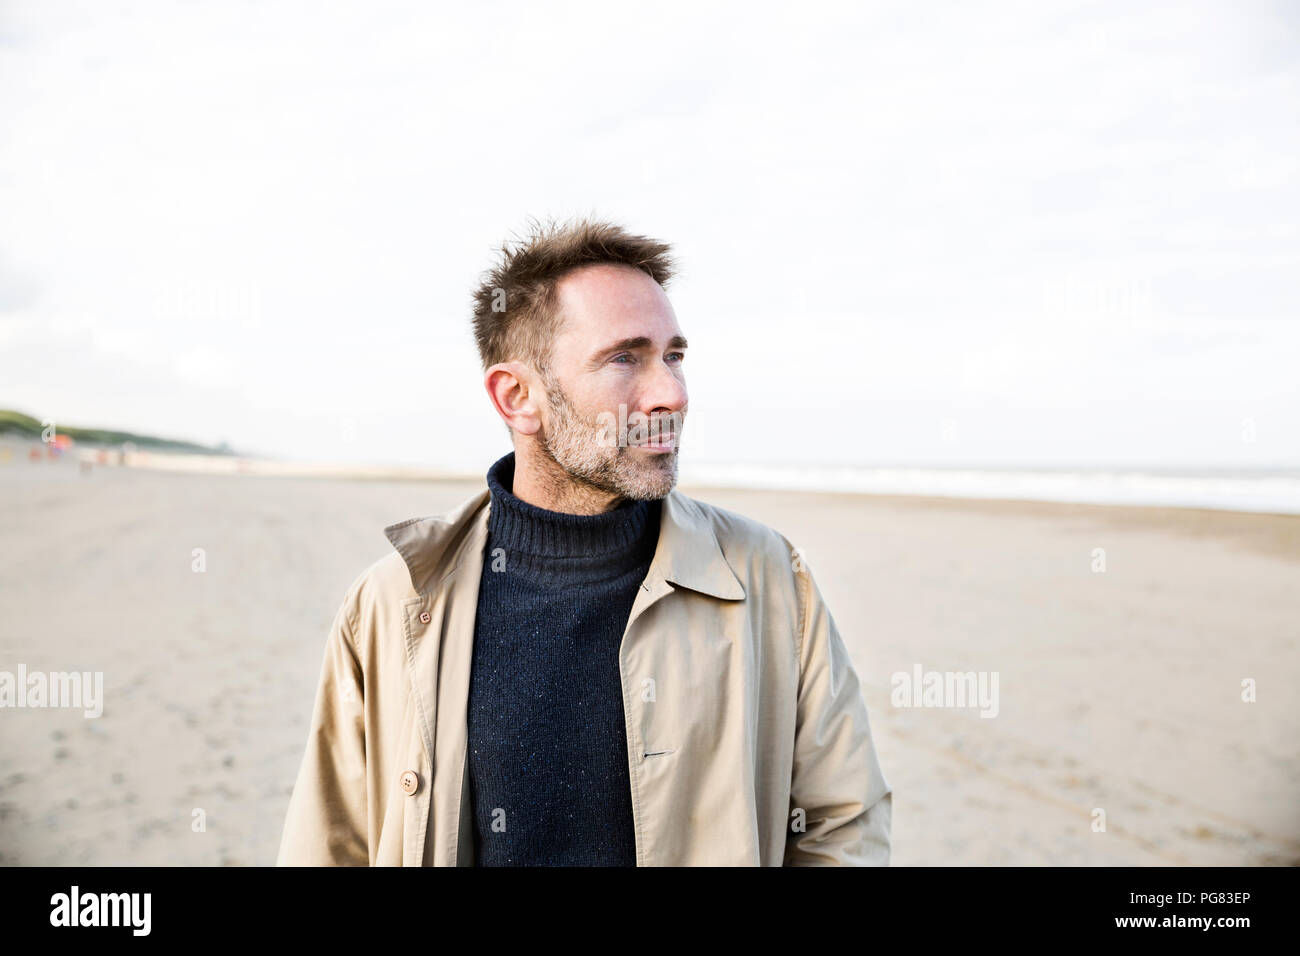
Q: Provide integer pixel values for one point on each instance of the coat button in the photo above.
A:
(424, 617)
(410, 782)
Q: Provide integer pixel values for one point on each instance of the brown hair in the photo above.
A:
(515, 302)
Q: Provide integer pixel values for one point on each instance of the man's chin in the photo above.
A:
(654, 481)
(648, 494)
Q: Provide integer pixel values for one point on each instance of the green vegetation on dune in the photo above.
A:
(16, 423)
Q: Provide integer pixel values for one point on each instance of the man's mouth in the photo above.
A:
(663, 444)
(661, 435)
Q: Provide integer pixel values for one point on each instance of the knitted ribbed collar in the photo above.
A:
(577, 548)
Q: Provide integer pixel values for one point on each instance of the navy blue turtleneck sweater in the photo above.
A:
(548, 754)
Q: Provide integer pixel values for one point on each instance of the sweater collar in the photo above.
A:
(525, 529)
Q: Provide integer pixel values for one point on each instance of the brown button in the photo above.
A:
(424, 617)
(410, 781)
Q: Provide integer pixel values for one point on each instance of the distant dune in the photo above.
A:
(20, 424)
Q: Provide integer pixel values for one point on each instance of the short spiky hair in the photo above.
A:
(515, 302)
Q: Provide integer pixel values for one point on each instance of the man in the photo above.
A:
(581, 665)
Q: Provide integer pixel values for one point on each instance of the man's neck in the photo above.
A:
(544, 484)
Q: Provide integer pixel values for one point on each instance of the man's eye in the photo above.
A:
(678, 356)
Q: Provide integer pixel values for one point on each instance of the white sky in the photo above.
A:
(914, 232)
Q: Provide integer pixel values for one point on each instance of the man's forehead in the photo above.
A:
(606, 301)
(607, 284)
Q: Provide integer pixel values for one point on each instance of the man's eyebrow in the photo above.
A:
(641, 342)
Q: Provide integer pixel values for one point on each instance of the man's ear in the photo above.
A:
(516, 393)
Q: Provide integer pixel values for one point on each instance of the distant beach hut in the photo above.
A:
(58, 445)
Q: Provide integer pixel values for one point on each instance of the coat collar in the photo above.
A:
(687, 554)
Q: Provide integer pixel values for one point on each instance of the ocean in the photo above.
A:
(1275, 491)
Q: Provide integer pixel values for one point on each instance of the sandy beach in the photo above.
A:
(1119, 689)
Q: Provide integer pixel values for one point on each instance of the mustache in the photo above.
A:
(637, 428)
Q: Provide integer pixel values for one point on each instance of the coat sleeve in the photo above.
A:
(836, 781)
(326, 821)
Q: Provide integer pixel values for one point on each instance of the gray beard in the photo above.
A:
(584, 460)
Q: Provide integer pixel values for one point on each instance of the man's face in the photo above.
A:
(616, 392)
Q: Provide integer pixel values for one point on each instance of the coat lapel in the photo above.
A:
(687, 555)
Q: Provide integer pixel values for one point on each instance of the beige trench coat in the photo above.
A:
(747, 733)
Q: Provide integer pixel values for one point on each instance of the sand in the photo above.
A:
(1119, 690)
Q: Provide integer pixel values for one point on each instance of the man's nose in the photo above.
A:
(666, 392)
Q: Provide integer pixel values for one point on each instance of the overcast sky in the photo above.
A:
(913, 232)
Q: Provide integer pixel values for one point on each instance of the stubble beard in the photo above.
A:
(577, 448)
